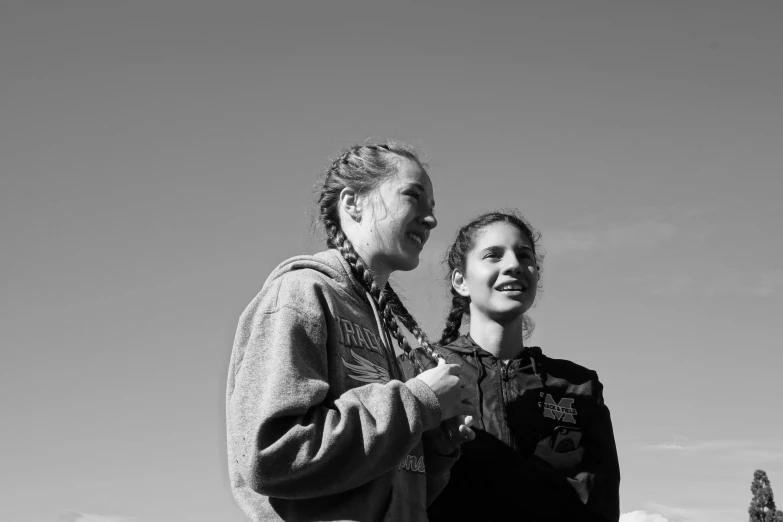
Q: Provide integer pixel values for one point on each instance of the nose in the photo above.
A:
(512, 264)
(429, 220)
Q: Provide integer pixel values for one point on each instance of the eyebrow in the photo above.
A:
(498, 247)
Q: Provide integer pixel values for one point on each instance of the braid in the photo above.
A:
(363, 168)
(454, 319)
(390, 323)
(345, 157)
(337, 239)
(410, 323)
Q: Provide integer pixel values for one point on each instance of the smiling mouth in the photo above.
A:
(417, 238)
(511, 287)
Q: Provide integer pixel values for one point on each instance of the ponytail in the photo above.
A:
(454, 319)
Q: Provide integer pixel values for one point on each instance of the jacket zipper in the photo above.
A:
(504, 397)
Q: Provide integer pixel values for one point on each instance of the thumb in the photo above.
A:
(441, 361)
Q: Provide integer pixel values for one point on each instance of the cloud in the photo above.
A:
(686, 445)
(642, 516)
(643, 233)
(76, 516)
(681, 514)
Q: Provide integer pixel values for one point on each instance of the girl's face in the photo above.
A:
(500, 274)
(397, 220)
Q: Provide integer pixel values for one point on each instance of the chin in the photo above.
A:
(407, 264)
(410, 266)
(507, 314)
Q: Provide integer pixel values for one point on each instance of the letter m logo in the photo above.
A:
(562, 410)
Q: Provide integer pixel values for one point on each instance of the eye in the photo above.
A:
(491, 255)
(526, 255)
(413, 194)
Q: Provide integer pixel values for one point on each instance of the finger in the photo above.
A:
(467, 420)
(454, 369)
(466, 433)
(441, 361)
(465, 430)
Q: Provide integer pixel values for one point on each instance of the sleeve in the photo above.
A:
(439, 455)
(598, 482)
(284, 440)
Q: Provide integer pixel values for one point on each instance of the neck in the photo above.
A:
(380, 273)
(359, 238)
(504, 341)
(380, 278)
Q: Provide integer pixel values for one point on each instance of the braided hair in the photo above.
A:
(363, 168)
(456, 259)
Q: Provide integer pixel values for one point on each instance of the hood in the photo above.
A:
(531, 358)
(465, 344)
(331, 265)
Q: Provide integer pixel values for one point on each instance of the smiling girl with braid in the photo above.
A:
(322, 424)
(544, 448)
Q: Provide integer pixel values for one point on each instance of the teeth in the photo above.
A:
(416, 238)
(510, 287)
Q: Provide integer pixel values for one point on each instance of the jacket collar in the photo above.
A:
(465, 344)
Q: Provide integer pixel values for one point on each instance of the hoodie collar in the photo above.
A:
(347, 273)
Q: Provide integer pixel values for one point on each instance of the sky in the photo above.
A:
(158, 159)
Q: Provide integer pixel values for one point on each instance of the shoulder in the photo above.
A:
(449, 351)
(461, 347)
(306, 284)
(571, 372)
(293, 289)
(457, 352)
(445, 351)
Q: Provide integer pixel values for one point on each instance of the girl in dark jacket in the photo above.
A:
(544, 447)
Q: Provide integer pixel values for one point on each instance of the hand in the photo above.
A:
(464, 430)
(456, 395)
(451, 434)
(458, 429)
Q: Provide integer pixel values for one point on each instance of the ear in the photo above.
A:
(458, 283)
(350, 202)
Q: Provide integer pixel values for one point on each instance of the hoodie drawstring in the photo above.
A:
(383, 335)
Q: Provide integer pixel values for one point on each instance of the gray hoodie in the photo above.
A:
(320, 424)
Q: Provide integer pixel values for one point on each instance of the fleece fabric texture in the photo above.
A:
(320, 424)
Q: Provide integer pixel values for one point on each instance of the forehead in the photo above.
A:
(410, 173)
(502, 234)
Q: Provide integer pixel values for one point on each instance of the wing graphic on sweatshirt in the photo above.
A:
(365, 370)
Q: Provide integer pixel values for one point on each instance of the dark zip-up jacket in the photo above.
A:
(544, 447)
